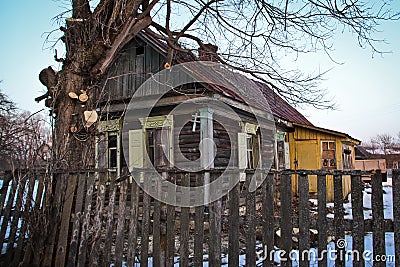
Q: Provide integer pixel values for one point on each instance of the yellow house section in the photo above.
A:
(306, 153)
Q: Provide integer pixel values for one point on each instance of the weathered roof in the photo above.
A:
(346, 138)
(279, 107)
(362, 153)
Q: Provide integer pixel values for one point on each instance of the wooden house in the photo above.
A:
(298, 144)
(314, 148)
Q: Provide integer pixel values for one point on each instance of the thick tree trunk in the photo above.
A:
(89, 52)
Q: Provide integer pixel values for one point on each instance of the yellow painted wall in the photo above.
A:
(306, 151)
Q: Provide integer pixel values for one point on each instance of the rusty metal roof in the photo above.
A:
(279, 107)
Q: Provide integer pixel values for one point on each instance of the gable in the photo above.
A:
(134, 64)
(144, 56)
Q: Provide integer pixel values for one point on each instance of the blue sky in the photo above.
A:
(365, 87)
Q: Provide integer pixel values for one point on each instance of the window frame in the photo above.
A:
(329, 160)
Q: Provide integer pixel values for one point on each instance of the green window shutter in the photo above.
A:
(136, 148)
(242, 154)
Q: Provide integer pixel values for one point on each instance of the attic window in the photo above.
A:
(139, 50)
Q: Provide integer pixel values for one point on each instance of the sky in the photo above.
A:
(365, 87)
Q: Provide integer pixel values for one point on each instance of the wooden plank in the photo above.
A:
(184, 231)
(110, 223)
(170, 231)
(65, 220)
(233, 253)
(215, 229)
(76, 219)
(132, 236)
(322, 224)
(304, 220)
(268, 219)
(25, 220)
(16, 213)
(396, 212)
(37, 205)
(7, 210)
(286, 216)
(157, 234)
(378, 240)
(39, 194)
(358, 217)
(86, 221)
(250, 223)
(4, 190)
(144, 252)
(55, 202)
(97, 221)
(199, 228)
(120, 235)
(338, 220)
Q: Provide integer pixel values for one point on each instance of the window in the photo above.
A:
(248, 154)
(108, 149)
(328, 154)
(395, 164)
(282, 156)
(248, 151)
(112, 150)
(157, 146)
(154, 140)
(347, 157)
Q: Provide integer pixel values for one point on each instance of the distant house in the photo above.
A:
(314, 148)
(299, 144)
(392, 159)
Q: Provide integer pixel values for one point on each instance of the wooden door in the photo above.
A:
(308, 156)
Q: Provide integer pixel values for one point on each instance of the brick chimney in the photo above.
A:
(208, 53)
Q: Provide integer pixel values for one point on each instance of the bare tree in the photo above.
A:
(372, 145)
(386, 142)
(21, 136)
(382, 143)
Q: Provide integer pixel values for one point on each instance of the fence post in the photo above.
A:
(250, 223)
(65, 220)
(4, 191)
(234, 225)
(7, 210)
(184, 231)
(396, 212)
(215, 230)
(86, 220)
(304, 220)
(358, 217)
(338, 220)
(268, 219)
(378, 236)
(144, 252)
(170, 230)
(133, 232)
(286, 217)
(199, 227)
(73, 247)
(322, 224)
(16, 212)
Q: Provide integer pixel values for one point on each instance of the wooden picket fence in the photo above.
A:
(105, 223)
